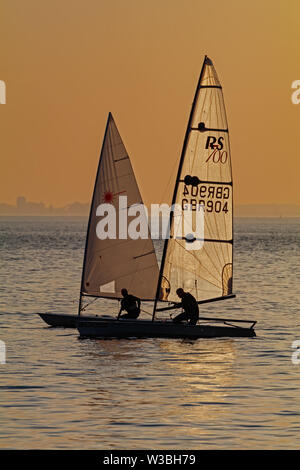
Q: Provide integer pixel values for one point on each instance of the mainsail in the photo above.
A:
(204, 182)
(111, 264)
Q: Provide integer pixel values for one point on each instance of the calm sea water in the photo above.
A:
(57, 391)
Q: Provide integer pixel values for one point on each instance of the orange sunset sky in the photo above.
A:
(67, 63)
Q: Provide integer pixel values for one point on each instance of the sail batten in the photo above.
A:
(204, 180)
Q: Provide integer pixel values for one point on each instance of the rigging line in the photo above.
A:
(144, 254)
(210, 257)
(203, 289)
(148, 313)
(175, 165)
(210, 273)
(85, 306)
(199, 276)
(202, 279)
(195, 257)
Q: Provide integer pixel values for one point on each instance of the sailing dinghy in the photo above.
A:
(113, 263)
(204, 182)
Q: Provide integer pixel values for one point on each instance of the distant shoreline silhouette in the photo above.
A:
(24, 207)
(27, 208)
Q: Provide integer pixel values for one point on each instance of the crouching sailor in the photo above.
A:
(190, 308)
(131, 304)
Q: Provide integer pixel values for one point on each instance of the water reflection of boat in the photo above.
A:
(187, 383)
(202, 365)
(204, 374)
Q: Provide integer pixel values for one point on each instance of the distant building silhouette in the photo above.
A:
(35, 208)
(21, 203)
(24, 207)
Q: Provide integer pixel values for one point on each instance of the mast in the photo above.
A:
(90, 217)
(176, 187)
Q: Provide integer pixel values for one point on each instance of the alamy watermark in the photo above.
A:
(2, 352)
(296, 94)
(296, 354)
(2, 92)
(188, 222)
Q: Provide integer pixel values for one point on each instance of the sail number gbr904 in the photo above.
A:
(211, 198)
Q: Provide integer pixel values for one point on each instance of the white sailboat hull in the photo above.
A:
(156, 329)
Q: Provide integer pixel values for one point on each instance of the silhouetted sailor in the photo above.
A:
(131, 304)
(190, 307)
